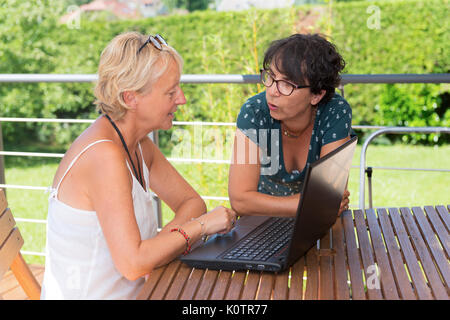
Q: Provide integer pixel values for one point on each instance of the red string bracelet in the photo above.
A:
(184, 234)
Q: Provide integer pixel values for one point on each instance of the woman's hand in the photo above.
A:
(218, 220)
(344, 203)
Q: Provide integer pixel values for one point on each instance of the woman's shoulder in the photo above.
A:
(257, 99)
(254, 112)
(336, 104)
(90, 153)
(93, 144)
(333, 120)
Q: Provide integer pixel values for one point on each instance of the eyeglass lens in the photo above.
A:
(157, 41)
(161, 39)
(285, 88)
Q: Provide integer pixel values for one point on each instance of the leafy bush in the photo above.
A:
(412, 38)
(425, 109)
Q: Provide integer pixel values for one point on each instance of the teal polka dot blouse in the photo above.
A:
(333, 122)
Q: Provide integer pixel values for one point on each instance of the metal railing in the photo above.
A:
(199, 79)
(236, 78)
(363, 170)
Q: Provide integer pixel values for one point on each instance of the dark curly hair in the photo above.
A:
(307, 58)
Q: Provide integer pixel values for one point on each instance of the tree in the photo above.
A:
(190, 5)
(197, 4)
(77, 2)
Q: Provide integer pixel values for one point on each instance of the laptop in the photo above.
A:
(275, 243)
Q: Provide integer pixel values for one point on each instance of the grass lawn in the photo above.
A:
(390, 188)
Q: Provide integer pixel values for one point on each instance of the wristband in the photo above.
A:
(202, 232)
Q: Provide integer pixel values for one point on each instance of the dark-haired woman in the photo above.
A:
(297, 120)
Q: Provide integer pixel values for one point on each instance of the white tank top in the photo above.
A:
(78, 262)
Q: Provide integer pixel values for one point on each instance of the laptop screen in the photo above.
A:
(324, 186)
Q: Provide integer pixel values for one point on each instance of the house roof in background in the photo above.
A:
(131, 9)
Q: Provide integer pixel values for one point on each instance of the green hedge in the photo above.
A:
(413, 38)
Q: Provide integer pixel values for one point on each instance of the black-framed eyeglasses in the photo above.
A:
(157, 41)
(284, 87)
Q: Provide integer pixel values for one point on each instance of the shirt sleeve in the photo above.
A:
(337, 123)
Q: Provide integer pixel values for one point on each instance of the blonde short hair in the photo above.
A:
(122, 68)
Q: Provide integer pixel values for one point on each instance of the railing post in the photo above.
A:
(341, 88)
(2, 161)
(395, 130)
(155, 199)
(369, 172)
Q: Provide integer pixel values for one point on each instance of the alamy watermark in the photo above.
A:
(217, 144)
(73, 17)
(373, 277)
(73, 277)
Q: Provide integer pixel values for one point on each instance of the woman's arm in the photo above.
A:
(171, 187)
(111, 198)
(243, 184)
(332, 146)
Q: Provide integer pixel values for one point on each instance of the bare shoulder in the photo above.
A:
(96, 155)
(99, 144)
(104, 153)
(93, 165)
(104, 165)
(92, 151)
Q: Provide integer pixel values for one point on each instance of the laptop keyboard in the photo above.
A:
(264, 242)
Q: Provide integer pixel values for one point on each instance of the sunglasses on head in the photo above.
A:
(157, 41)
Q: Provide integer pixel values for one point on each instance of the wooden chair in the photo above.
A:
(10, 243)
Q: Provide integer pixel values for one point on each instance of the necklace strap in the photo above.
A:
(138, 176)
(288, 134)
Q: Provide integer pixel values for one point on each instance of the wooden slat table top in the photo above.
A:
(385, 253)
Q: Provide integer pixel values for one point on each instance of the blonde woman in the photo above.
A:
(102, 235)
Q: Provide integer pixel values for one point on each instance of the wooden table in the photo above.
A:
(395, 253)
